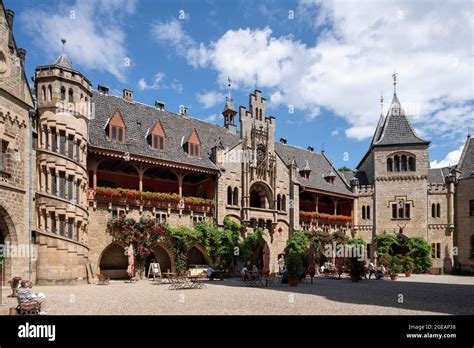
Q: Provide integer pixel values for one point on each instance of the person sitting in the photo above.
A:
(371, 269)
(25, 296)
(254, 270)
(210, 273)
(381, 272)
(245, 273)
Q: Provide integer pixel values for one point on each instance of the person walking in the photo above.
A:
(371, 269)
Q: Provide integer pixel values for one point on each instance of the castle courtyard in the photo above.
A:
(417, 295)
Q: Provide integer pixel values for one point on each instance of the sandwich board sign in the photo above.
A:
(154, 270)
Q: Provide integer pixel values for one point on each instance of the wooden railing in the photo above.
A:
(150, 199)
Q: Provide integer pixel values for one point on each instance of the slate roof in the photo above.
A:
(139, 118)
(361, 175)
(466, 162)
(436, 175)
(63, 61)
(320, 166)
(396, 128)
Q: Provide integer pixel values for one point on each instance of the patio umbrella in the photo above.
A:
(311, 269)
(131, 262)
(266, 261)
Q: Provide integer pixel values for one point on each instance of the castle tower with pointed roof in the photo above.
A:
(63, 105)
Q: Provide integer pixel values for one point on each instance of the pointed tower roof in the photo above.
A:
(63, 61)
(396, 129)
(229, 105)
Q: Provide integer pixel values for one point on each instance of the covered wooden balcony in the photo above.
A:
(137, 184)
(321, 210)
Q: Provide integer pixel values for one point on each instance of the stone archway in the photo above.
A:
(163, 257)
(113, 262)
(261, 196)
(7, 235)
(197, 255)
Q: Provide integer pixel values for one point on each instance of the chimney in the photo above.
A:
(21, 55)
(283, 140)
(10, 14)
(183, 111)
(159, 105)
(310, 148)
(128, 95)
(103, 89)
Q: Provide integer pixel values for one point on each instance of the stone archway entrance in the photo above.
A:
(7, 235)
(113, 262)
(162, 257)
(196, 257)
(260, 196)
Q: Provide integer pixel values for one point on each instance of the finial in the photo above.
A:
(63, 41)
(381, 103)
(394, 81)
(229, 84)
(468, 131)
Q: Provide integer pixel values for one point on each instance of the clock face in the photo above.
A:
(261, 153)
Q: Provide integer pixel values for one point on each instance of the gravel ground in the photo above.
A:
(419, 294)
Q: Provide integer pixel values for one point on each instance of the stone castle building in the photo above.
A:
(73, 158)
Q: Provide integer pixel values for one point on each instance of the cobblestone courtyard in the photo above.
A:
(420, 294)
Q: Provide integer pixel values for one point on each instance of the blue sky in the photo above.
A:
(321, 65)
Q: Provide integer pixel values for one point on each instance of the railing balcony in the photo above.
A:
(150, 199)
(325, 219)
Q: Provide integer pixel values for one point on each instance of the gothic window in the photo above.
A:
(54, 183)
(236, 196)
(53, 222)
(401, 210)
(433, 210)
(229, 195)
(438, 210)
(389, 165)
(368, 212)
(70, 225)
(54, 140)
(62, 225)
(411, 164)
(78, 151)
(278, 202)
(3, 155)
(62, 184)
(62, 142)
(260, 111)
(404, 163)
(255, 200)
(43, 93)
(71, 96)
(70, 147)
(471, 208)
(363, 212)
(70, 181)
(50, 93)
(63, 93)
(78, 186)
(397, 163)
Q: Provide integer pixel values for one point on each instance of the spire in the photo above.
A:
(381, 103)
(62, 60)
(229, 84)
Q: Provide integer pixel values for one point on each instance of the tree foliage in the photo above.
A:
(420, 251)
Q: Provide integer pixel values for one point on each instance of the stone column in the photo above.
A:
(355, 206)
(450, 179)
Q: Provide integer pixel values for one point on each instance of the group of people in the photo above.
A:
(378, 272)
(249, 273)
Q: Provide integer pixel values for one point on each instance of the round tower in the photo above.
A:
(63, 98)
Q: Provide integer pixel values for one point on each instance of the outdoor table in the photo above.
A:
(168, 276)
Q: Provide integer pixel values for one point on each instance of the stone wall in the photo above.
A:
(464, 229)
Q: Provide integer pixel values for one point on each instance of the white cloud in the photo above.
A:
(211, 118)
(357, 45)
(176, 86)
(335, 132)
(94, 32)
(451, 159)
(157, 82)
(210, 99)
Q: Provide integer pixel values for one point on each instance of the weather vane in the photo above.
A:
(394, 81)
(229, 84)
(381, 103)
(64, 43)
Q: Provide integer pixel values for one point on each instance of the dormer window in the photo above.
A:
(193, 145)
(116, 128)
(330, 177)
(156, 138)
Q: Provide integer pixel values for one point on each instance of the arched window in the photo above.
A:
(43, 93)
(411, 164)
(236, 196)
(368, 212)
(433, 210)
(50, 93)
(389, 165)
(283, 203)
(363, 212)
(404, 163)
(260, 114)
(229, 195)
(438, 210)
(63, 93)
(71, 95)
(278, 202)
(397, 163)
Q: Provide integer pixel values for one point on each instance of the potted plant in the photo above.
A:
(294, 266)
(395, 267)
(407, 265)
(356, 269)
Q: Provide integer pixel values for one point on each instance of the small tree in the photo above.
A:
(383, 243)
(420, 251)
